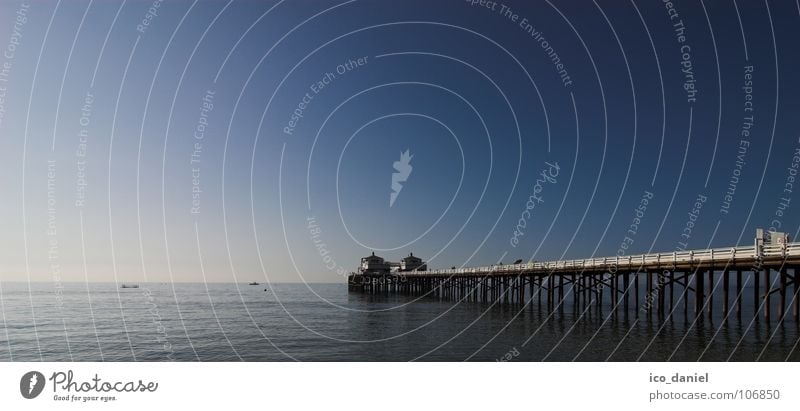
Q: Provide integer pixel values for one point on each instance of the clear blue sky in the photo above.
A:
(482, 99)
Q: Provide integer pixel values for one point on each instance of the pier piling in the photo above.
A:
(739, 293)
(756, 294)
(782, 289)
(698, 293)
(711, 293)
(725, 286)
(796, 309)
(767, 292)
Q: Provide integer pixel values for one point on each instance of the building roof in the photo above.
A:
(371, 256)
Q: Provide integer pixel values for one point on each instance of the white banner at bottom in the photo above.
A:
(397, 386)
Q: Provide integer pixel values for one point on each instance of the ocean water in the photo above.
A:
(324, 322)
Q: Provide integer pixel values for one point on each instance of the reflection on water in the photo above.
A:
(226, 322)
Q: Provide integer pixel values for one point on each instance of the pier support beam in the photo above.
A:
(626, 282)
(539, 291)
(585, 288)
(698, 292)
(725, 285)
(575, 289)
(796, 308)
(686, 294)
(710, 293)
(600, 286)
(649, 296)
(739, 293)
(661, 289)
(671, 292)
(756, 293)
(596, 286)
(767, 292)
(531, 282)
(782, 305)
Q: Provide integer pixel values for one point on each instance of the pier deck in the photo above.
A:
(672, 279)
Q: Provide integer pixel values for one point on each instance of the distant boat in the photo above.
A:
(129, 286)
(253, 283)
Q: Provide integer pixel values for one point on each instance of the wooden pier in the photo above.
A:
(672, 282)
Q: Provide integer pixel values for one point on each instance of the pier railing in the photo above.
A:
(707, 257)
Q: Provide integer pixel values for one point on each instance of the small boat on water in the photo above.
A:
(129, 286)
(253, 283)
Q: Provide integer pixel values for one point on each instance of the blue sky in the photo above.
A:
(471, 92)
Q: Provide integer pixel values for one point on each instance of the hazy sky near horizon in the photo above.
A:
(248, 140)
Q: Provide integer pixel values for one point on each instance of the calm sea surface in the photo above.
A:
(323, 322)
